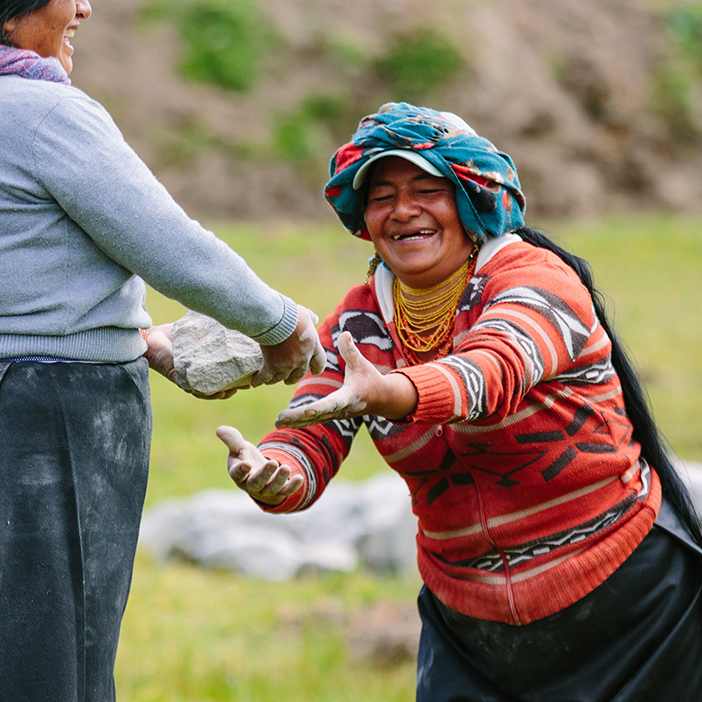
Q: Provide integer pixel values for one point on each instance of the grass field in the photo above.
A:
(197, 636)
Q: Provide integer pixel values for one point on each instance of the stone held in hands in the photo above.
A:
(208, 357)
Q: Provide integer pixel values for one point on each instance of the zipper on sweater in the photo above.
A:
(505, 562)
(486, 531)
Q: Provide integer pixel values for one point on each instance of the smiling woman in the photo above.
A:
(84, 224)
(559, 549)
(46, 29)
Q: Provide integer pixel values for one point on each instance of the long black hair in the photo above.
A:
(653, 445)
(13, 9)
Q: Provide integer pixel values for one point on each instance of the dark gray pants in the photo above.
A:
(74, 451)
(635, 638)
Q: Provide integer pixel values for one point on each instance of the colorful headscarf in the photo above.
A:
(28, 64)
(488, 195)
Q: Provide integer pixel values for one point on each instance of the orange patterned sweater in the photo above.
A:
(523, 474)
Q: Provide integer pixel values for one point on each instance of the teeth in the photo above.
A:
(423, 232)
(70, 33)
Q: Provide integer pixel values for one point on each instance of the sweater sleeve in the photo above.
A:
(536, 319)
(316, 452)
(84, 163)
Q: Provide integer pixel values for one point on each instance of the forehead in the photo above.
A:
(394, 169)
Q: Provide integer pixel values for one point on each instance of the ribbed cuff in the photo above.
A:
(283, 329)
(437, 397)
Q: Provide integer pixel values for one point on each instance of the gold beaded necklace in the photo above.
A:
(424, 318)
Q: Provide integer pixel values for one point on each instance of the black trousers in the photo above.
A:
(74, 451)
(635, 638)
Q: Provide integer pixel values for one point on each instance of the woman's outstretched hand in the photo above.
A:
(265, 480)
(365, 391)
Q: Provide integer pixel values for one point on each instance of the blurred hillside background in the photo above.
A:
(237, 106)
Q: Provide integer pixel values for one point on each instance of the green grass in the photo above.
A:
(213, 636)
(202, 636)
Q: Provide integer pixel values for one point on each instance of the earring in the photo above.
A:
(373, 264)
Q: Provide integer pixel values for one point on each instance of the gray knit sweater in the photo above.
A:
(83, 221)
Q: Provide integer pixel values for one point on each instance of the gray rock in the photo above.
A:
(208, 357)
(388, 542)
(368, 523)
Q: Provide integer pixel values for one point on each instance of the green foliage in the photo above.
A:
(348, 55)
(328, 109)
(676, 87)
(309, 133)
(685, 24)
(420, 62)
(672, 96)
(224, 41)
(296, 138)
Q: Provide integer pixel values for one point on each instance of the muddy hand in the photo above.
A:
(263, 479)
(290, 360)
(351, 400)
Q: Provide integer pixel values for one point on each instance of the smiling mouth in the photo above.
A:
(414, 236)
(70, 33)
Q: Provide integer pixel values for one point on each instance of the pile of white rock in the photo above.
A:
(368, 524)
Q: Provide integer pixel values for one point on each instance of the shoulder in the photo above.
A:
(528, 272)
(36, 98)
(523, 263)
(58, 115)
(32, 105)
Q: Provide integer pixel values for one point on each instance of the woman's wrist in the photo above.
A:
(398, 397)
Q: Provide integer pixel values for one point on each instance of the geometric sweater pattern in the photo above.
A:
(527, 484)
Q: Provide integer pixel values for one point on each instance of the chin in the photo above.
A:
(66, 60)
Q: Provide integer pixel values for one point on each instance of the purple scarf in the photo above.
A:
(27, 64)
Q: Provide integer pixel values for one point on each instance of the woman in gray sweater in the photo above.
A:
(83, 223)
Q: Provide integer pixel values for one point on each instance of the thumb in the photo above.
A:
(319, 359)
(349, 352)
(232, 438)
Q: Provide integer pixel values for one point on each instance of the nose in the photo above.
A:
(83, 9)
(406, 207)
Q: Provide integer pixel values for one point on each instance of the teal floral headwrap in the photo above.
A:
(488, 195)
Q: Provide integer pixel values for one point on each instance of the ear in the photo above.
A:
(9, 26)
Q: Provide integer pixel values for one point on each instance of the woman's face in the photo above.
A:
(413, 221)
(46, 31)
